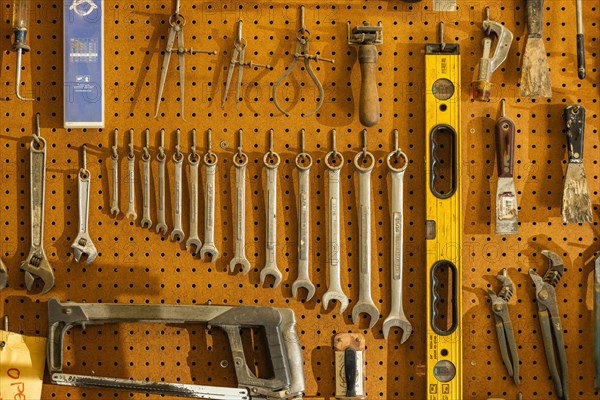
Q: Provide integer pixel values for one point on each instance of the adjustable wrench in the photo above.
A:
(83, 244)
(303, 164)
(364, 162)
(36, 265)
(177, 233)
(131, 179)
(146, 221)
(194, 161)
(210, 169)
(271, 161)
(396, 316)
(161, 226)
(334, 162)
(114, 210)
(240, 160)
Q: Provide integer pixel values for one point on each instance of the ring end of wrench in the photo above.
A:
(162, 228)
(337, 296)
(193, 242)
(211, 250)
(365, 308)
(271, 271)
(177, 235)
(240, 261)
(306, 284)
(146, 223)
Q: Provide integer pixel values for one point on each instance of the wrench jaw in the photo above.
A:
(337, 296)
(305, 284)
(272, 271)
(162, 228)
(365, 308)
(193, 242)
(83, 245)
(114, 211)
(177, 235)
(240, 261)
(211, 250)
(146, 223)
(131, 214)
(400, 322)
(37, 267)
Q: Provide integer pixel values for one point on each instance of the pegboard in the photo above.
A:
(138, 266)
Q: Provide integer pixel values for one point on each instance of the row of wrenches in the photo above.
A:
(364, 162)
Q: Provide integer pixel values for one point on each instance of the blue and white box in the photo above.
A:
(83, 64)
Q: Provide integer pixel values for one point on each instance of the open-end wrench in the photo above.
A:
(114, 210)
(210, 169)
(240, 160)
(146, 221)
(303, 164)
(194, 161)
(177, 233)
(36, 265)
(131, 179)
(83, 244)
(396, 316)
(364, 162)
(161, 157)
(334, 162)
(271, 161)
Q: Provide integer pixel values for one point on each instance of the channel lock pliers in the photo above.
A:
(545, 294)
(504, 326)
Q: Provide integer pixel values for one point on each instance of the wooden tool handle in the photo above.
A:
(368, 105)
(575, 122)
(505, 147)
(535, 17)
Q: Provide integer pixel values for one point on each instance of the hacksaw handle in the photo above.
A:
(368, 105)
(535, 17)
(505, 147)
(574, 117)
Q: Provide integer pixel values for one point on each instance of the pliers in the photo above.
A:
(597, 321)
(545, 294)
(504, 326)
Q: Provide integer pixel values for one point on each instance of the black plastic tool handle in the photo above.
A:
(574, 117)
(535, 17)
(580, 56)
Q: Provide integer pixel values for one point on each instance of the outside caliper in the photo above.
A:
(278, 325)
(482, 87)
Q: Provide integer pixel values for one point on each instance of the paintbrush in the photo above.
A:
(507, 222)
(535, 77)
(576, 204)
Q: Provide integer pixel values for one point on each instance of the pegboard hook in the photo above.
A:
(115, 143)
(334, 143)
(441, 35)
(131, 155)
(83, 157)
(364, 148)
(240, 136)
(302, 142)
(161, 148)
(503, 108)
(178, 143)
(147, 143)
(37, 134)
(193, 147)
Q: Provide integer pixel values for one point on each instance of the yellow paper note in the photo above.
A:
(22, 363)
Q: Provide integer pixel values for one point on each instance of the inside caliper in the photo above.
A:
(278, 327)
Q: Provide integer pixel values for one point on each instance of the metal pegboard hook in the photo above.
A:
(271, 141)
(178, 143)
(193, 147)
(302, 141)
(131, 154)
(83, 157)
(115, 145)
(240, 137)
(364, 140)
(441, 35)
(334, 143)
(147, 143)
(37, 134)
(302, 24)
(161, 147)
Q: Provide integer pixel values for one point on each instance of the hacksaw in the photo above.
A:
(444, 219)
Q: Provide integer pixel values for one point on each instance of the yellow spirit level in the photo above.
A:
(444, 220)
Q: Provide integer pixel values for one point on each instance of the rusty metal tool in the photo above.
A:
(21, 11)
(580, 40)
(552, 331)
(238, 58)
(507, 220)
(535, 74)
(597, 322)
(302, 51)
(367, 37)
(576, 204)
(504, 326)
(482, 87)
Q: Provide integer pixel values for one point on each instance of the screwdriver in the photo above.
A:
(20, 26)
(580, 44)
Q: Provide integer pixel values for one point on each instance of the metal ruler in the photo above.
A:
(444, 220)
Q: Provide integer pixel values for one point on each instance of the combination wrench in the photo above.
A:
(271, 161)
(194, 161)
(240, 160)
(83, 244)
(131, 179)
(177, 233)
(146, 221)
(161, 157)
(114, 210)
(334, 162)
(396, 316)
(364, 162)
(36, 265)
(210, 169)
(303, 164)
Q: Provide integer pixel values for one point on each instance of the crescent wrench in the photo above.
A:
(83, 244)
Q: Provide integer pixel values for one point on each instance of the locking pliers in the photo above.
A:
(545, 293)
(504, 326)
